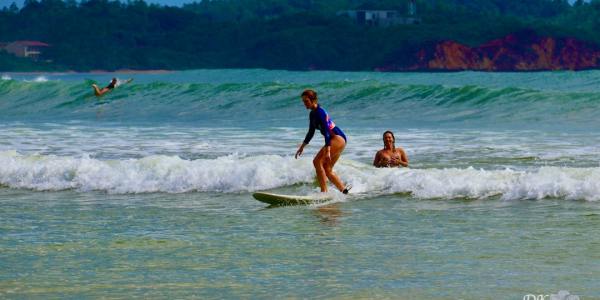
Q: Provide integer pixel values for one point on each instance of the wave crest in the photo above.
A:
(157, 173)
(278, 103)
(234, 173)
(470, 183)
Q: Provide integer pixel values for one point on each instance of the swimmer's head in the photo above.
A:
(388, 138)
(309, 98)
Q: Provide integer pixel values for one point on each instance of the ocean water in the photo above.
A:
(146, 191)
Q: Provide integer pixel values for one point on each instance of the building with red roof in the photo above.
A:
(31, 49)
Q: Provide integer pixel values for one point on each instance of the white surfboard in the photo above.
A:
(122, 82)
(278, 199)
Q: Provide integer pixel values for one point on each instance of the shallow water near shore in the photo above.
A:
(70, 244)
(146, 192)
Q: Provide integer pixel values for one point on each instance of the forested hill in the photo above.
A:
(277, 34)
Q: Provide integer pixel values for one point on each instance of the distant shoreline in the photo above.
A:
(131, 71)
(376, 70)
(124, 71)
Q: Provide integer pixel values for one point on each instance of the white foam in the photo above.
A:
(233, 173)
(557, 182)
(151, 174)
(6, 77)
(38, 79)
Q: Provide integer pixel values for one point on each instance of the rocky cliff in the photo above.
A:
(523, 51)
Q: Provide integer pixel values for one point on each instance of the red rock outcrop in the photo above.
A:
(523, 51)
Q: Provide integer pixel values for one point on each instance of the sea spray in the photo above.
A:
(157, 173)
(471, 183)
(233, 174)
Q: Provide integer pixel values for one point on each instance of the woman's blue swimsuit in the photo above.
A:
(319, 119)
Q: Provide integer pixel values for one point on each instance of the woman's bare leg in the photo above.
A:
(337, 147)
(97, 91)
(320, 169)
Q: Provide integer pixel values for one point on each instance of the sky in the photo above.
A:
(4, 3)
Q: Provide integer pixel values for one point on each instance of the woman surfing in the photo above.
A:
(113, 84)
(335, 142)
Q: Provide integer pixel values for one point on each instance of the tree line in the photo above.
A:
(275, 34)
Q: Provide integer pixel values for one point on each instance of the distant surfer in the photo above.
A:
(113, 84)
(335, 142)
(390, 155)
(99, 92)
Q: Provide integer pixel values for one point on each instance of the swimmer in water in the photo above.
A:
(390, 155)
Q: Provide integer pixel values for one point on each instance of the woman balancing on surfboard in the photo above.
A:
(335, 142)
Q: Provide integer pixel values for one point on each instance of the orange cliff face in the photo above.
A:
(523, 51)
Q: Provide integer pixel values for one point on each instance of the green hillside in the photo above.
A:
(281, 34)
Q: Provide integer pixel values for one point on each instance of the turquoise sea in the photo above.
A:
(146, 192)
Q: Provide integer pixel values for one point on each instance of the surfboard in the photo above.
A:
(122, 82)
(278, 199)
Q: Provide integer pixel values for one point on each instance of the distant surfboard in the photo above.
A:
(278, 199)
(121, 82)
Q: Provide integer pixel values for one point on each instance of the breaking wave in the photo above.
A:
(235, 174)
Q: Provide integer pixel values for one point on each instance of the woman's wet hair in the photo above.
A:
(311, 95)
